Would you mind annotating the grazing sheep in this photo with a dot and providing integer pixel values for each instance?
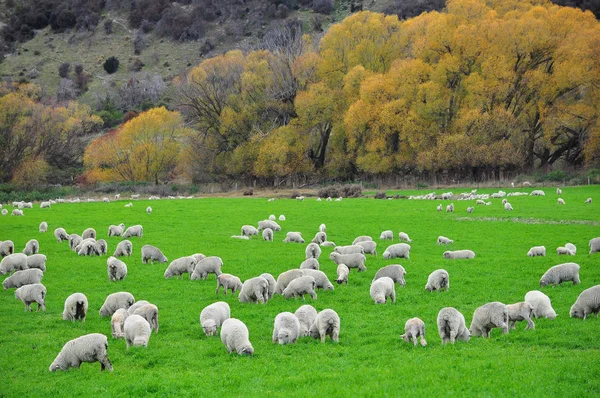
(327, 243)
(37, 261)
(272, 217)
(395, 272)
(208, 265)
(4, 212)
(381, 289)
(489, 316)
(480, 202)
(116, 230)
(117, 269)
(134, 230)
(507, 206)
(354, 260)
(561, 201)
(74, 241)
(442, 240)
(571, 247)
(520, 312)
(152, 254)
(561, 273)
(537, 192)
(459, 254)
(310, 263)
(594, 245)
(438, 280)
(117, 323)
(414, 328)
(327, 323)
(313, 251)
(267, 234)
(450, 208)
(264, 224)
(22, 278)
(281, 217)
(228, 281)
(542, 307)
(60, 234)
(89, 233)
(563, 250)
(342, 274)
(300, 287)
(272, 283)
(322, 282)
(87, 248)
(451, 325)
(34, 293)
(150, 313)
(235, 336)
(213, 316)
(180, 266)
(17, 212)
(124, 248)
(135, 196)
(76, 306)
(149, 210)
(588, 201)
(249, 230)
(240, 237)
(136, 305)
(470, 209)
(31, 247)
(536, 251)
(115, 301)
(320, 237)
(351, 249)
(101, 247)
(285, 278)
(361, 238)
(13, 262)
(7, 248)
(254, 290)
(43, 227)
(404, 236)
(398, 250)
(558, 191)
(387, 235)
(87, 348)
(129, 204)
(306, 315)
(588, 302)
(369, 247)
(286, 329)
(137, 331)
(293, 237)
(439, 207)
(45, 205)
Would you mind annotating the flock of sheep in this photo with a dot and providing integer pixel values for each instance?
(136, 320)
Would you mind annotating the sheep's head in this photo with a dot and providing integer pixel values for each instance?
(210, 327)
(247, 350)
(576, 312)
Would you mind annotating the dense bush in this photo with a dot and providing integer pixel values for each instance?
(111, 65)
(345, 191)
(381, 195)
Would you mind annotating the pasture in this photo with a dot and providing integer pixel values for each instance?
(560, 357)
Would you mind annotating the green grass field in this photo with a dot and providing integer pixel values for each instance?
(559, 357)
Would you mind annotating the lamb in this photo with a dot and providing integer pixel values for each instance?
(89, 233)
(293, 237)
(561, 201)
(37, 261)
(281, 217)
(286, 329)
(254, 290)
(520, 312)
(124, 248)
(470, 209)
(536, 251)
(87, 348)
(327, 243)
(7, 248)
(507, 206)
(285, 278)
(45, 205)
(272, 283)
(354, 260)
(537, 192)
(137, 331)
(101, 247)
(387, 235)
(43, 227)
(381, 289)
(208, 265)
(404, 236)
(414, 328)
(313, 251)
(542, 307)
(115, 301)
(267, 234)
(350, 249)
(117, 269)
(450, 208)
(588, 201)
(361, 238)
(117, 323)
(74, 241)
(395, 272)
(234, 334)
(322, 282)
(320, 237)
(228, 281)
(451, 325)
(149, 210)
(588, 302)
(563, 250)
(300, 287)
(398, 250)
(249, 230)
(31, 247)
(116, 230)
(561, 273)
(369, 247)
(571, 247)
(152, 254)
(180, 266)
(134, 230)
(442, 240)
(17, 212)
(150, 313)
(310, 263)
(439, 207)
(264, 224)
(13, 262)
(60, 234)
(438, 280)
(306, 315)
(34, 293)
(342, 274)
(213, 316)
(489, 316)
(22, 278)
(327, 323)
(594, 245)
(76, 306)
(459, 254)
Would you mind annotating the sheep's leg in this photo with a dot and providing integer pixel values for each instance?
(530, 324)
(414, 339)
(335, 335)
(105, 364)
(323, 335)
(393, 295)
(313, 295)
(452, 336)
(423, 342)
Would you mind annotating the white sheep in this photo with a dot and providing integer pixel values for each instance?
(76, 306)
(354, 260)
(588, 302)
(7, 248)
(438, 280)
(442, 240)
(369, 247)
(561, 273)
(272, 283)
(322, 228)
(564, 251)
(254, 290)
(34, 293)
(198, 257)
(152, 254)
(74, 241)
(60, 234)
(149, 210)
(536, 192)
(45, 205)
(117, 269)
(327, 323)
(320, 237)
(310, 263)
(439, 207)
(322, 282)
(116, 230)
(450, 208)
(87, 247)
(327, 243)
(351, 249)
(235, 336)
(249, 230)
(459, 254)
(43, 227)
(342, 274)
(558, 191)
(115, 301)
(507, 206)
(571, 247)
(134, 230)
(17, 212)
(286, 328)
(117, 323)
(537, 251)
(87, 348)
(414, 328)
(213, 316)
(180, 266)
(150, 313)
(404, 236)
(487, 317)
(281, 217)
(228, 281)
(208, 265)
(361, 238)
(267, 234)
(13, 262)
(136, 305)
(542, 307)
(313, 251)
(89, 233)
(284, 279)
(294, 237)
(395, 272)
(4, 212)
(588, 201)
(124, 248)
(306, 315)
(387, 235)
(480, 202)
(300, 287)
(594, 245)
(37, 261)
(451, 325)
(561, 201)
(101, 247)
(398, 250)
(22, 278)
(381, 289)
(470, 209)
(137, 331)
(242, 237)
(272, 217)
(520, 312)
(135, 196)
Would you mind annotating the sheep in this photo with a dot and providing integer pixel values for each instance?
(507, 206)
(381, 289)
(152, 254)
(89, 233)
(542, 307)
(45, 205)
(354, 260)
(87, 248)
(459, 254)
(213, 316)
(60, 234)
(322, 282)
(450, 208)
(235, 336)
(115, 301)
(561, 201)
(87, 348)
(451, 325)
(320, 237)
(264, 224)
(404, 236)
(588, 302)
(228, 281)
(17, 212)
(116, 230)
(198, 257)
(561, 273)
(342, 274)
(4, 212)
(571, 247)
(293, 237)
(117, 323)
(442, 240)
(137, 331)
(286, 329)
(480, 202)
(310, 263)
(558, 191)
(22, 278)
(117, 269)
(117, 196)
(327, 243)
(361, 238)
(322, 228)
(249, 230)
(106, 200)
(300, 287)
(327, 323)
(350, 249)
(34, 293)
(470, 209)
(7, 248)
(395, 272)
(74, 241)
(439, 207)
(180, 266)
(136, 305)
(272, 217)
(150, 313)
(438, 280)
(13, 262)
(76, 306)
(588, 201)
(563, 250)
(254, 290)
(489, 316)
(281, 217)
(208, 265)
(31, 247)
(267, 234)
(306, 316)
(536, 251)
(272, 283)
(43, 227)
(134, 230)
(129, 205)
(414, 328)
(101, 247)
(387, 235)
(37, 261)
(135, 196)
(124, 248)
(537, 192)
(313, 251)
(520, 312)
(149, 210)
(240, 237)
(398, 250)
(594, 245)
(369, 247)
(285, 278)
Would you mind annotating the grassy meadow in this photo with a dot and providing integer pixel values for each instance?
(560, 357)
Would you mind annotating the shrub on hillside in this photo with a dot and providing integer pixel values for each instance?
(111, 65)
(380, 195)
